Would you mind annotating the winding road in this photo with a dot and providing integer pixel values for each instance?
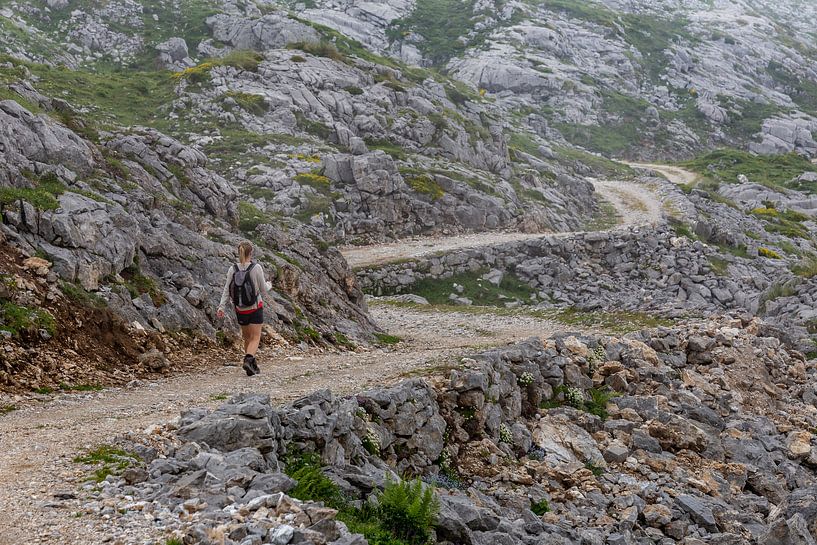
(39, 441)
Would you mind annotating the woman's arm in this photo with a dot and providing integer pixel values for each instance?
(261, 282)
(225, 294)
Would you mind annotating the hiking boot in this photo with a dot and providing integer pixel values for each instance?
(255, 367)
(249, 365)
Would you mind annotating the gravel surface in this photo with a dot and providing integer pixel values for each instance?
(675, 175)
(636, 204)
(41, 495)
(38, 443)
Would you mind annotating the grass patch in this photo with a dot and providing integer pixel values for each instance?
(777, 291)
(807, 267)
(112, 461)
(79, 387)
(441, 23)
(615, 321)
(19, 320)
(109, 98)
(605, 218)
(386, 339)
(600, 165)
(718, 265)
(384, 145)
(426, 185)
(254, 104)
(776, 171)
(474, 287)
(321, 49)
(250, 217)
(241, 59)
(79, 295)
(42, 196)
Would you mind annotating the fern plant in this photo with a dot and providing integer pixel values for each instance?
(409, 509)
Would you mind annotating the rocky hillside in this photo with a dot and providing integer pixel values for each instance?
(699, 434)
(638, 79)
(141, 140)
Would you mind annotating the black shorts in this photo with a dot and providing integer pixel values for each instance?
(254, 317)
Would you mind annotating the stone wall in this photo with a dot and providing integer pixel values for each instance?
(709, 440)
(639, 268)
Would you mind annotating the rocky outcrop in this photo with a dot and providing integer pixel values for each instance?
(268, 32)
(708, 438)
(155, 233)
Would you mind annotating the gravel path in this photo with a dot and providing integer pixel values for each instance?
(676, 175)
(39, 441)
(634, 202)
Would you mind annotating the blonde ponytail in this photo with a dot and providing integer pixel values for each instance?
(245, 251)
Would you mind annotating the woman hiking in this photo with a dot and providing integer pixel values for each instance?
(244, 287)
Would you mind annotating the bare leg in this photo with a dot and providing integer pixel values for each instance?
(253, 339)
(246, 335)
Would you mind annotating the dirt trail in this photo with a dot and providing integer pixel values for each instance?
(635, 204)
(676, 175)
(38, 442)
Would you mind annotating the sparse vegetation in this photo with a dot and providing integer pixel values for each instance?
(403, 513)
(79, 295)
(42, 196)
(113, 460)
(775, 171)
(426, 185)
(540, 507)
(386, 339)
(20, 320)
(473, 287)
(250, 217)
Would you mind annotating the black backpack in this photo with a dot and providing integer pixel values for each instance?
(242, 290)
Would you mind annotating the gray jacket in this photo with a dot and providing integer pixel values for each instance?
(258, 280)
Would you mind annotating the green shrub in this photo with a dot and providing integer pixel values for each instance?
(409, 509)
(137, 283)
(406, 518)
(297, 58)
(766, 252)
(243, 59)
(597, 400)
(312, 483)
(426, 185)
(353, 90)
(540, 507)
(596, 470)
